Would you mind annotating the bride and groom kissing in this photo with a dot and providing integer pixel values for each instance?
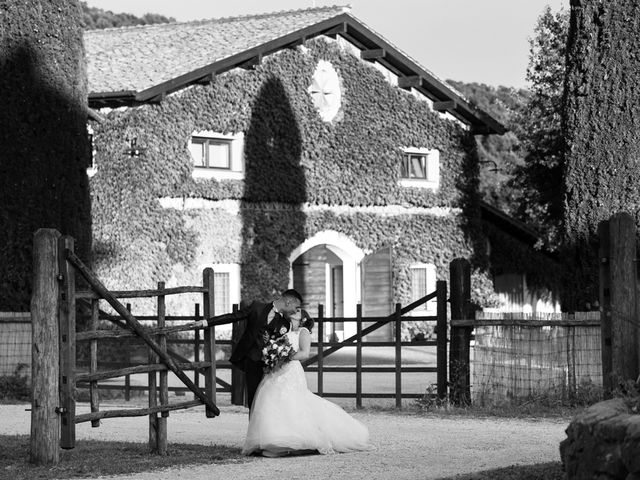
(285, 417)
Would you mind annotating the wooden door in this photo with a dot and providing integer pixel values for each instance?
(377, 294)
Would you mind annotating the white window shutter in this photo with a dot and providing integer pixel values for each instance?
(433, 168)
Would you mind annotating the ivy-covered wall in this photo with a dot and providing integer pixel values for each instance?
(298, 170)
(44, 148)
(602, 131)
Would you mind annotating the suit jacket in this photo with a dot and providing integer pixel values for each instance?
(251, 342)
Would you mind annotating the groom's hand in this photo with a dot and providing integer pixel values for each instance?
(199, 324)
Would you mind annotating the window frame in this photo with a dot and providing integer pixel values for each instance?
(235, 171)
(92, 169)
(233, 272)
(431, 158)
(206, 142)
(430, 286)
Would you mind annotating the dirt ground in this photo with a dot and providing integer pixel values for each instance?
(408, 446)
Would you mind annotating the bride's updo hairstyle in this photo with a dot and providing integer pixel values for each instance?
(306, 321)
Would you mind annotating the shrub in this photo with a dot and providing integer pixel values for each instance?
(17, 385)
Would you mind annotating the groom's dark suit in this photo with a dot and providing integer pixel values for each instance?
(247, 355)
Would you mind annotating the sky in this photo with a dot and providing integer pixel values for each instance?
(483, 41)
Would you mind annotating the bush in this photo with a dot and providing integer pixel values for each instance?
(17, 385)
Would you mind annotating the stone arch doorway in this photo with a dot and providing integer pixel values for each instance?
(325, 270)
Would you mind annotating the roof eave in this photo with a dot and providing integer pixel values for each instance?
(443, 96)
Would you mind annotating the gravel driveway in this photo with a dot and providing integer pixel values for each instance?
(408, 446)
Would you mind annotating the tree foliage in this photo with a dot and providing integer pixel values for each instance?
(500, 155)
(97, 18)
(44, 149)
(523, 169)
(601, 123)
(539, 179)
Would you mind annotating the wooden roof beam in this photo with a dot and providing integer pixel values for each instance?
(482, 130)
(206, 80)
(296, 43)
(373, 54)
(410, 81)
(445, 106)
(339, 29)
(252, 63)
(158, 98)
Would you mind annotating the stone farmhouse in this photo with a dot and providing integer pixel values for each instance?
(291, 149)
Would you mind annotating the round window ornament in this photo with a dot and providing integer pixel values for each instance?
(325, 90)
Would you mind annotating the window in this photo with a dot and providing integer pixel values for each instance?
(92, 169)
(211, 152)
(226, 287)
(420, 167)
(423, 282)
(325, 90)
(221, 293)
(217, 155)
(414, 165)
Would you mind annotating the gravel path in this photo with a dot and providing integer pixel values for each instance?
(408, 446)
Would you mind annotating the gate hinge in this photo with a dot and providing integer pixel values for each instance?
(61, 410)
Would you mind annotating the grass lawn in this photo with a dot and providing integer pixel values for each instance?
(93, 458)
(540, 471)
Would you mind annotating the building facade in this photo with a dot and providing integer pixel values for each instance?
(297, 149)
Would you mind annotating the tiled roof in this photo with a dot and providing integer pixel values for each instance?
(138, 58)
(134, 65)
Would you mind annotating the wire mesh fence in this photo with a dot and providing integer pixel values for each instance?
(15, 344)
(521, 356)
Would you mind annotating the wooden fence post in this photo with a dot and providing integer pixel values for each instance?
(605, 304)
(94, 392)
(320, 348)
(164, 381)
(196, 349)
(441, 337)
(67, 322)
(153, 399)
(127, 359)
(624, 329)
(238, 387)
(459, 359)
(398, 355)
(359, 356)
(45, 364)
(209, 339)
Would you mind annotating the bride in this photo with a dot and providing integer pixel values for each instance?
(286, 417)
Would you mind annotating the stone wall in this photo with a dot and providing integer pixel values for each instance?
(603, 443)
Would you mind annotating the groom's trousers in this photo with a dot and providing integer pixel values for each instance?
(253, 374)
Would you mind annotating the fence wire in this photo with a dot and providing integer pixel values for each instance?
(516, 362)
(15, 344)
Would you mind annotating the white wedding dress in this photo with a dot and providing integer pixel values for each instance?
(287, 417)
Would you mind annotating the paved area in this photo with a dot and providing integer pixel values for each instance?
(408, 446)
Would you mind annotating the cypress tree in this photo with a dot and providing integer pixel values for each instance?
(601, 128)
(44, 146)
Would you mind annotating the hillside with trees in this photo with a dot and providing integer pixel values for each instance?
(97, 18)
(501, 156)
(522, 170)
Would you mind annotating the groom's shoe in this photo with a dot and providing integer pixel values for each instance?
(270, 454)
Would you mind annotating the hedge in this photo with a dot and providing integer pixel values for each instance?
(44, 147)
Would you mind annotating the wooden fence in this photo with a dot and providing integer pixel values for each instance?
(517, 356)
(54, 374)
(315, 364)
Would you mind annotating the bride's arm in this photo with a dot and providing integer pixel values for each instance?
(304, 341)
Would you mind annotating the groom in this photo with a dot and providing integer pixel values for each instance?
(271, 318)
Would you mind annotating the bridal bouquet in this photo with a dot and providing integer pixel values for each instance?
(276, 353)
